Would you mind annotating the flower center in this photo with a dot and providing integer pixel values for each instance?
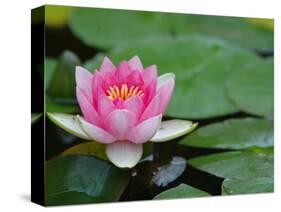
(123, 92)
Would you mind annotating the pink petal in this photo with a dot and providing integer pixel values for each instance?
(149, 73)
(84, 81)
(149, 91)
(144, 131)
(110, 80)
(135, 63)
(119, 122)
(165, 91)
(135, 105)
(107, 66)
(87, 108)
(95, 132)
(152, 109)
(123, 71)
(104, 106)
(134, 79)
(124, 154)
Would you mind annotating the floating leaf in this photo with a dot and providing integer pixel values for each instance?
(251, 88)
(249, 186)
(62, 84)
(170, 172)
(181, 191)
(91, 148)
(172, 129)
(83, 179)
(235, 165)
(233, 29)
(233, 134)
(200, 75)
(105, 28)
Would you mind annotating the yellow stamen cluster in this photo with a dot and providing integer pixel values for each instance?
(123, 92)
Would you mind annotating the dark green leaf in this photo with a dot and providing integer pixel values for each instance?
(200, 65)
(83, 179)
(62, 84)
(233, 134)
(181, 191)
(251, 88)
(91, 148)
(58, 107)
(235, 165)
(50, 65)
(249, 186)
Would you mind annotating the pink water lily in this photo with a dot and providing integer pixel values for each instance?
(122, 107)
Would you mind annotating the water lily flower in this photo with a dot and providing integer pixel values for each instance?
(123, 107)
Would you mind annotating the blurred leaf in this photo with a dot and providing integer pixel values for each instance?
(233, 29)
(94, 63)
(200, 65)
(62, 84)
(91, 148)
(181, 191)
(232, 134)
(249, 186)
(235, 165)
(269, 151)
(57, 16)
(105, 28)
(251, 88)
(83, 179)
(169, 172)
(56, 107)
(50, 65)
(264, 23)
(35, 117)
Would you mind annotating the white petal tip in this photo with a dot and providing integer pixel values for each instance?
(69, 123)
(172, 129)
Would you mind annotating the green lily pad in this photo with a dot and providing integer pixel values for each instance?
(241, 31)
(181, 191)
(83, 179)
(200, 65)
(233, 134)
(91, 148)
(249, 186)
(235, 165)
(251, 88)
(105, 28)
